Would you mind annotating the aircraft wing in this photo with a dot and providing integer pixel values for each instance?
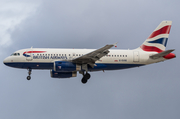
(164, 53)
(93, 56)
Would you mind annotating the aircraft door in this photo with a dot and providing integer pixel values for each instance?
(29, 55)
(136, 56)
(73, 55)
(70, 56)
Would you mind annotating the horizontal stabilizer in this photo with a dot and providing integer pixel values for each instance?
(164, 53)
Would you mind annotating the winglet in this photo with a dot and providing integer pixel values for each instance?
(115, 44)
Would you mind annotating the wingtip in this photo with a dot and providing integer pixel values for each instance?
(172, 50)
(115, 44)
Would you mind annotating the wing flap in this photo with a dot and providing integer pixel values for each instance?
(93, 56)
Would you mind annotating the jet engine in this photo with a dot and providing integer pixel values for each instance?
(55, 74)
(65, 66)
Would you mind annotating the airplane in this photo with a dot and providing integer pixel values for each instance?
(65, 63)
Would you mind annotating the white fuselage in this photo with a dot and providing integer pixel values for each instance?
(41, 58)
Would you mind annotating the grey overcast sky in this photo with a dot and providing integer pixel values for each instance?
(148, 92)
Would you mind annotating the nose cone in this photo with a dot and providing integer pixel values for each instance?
(6, 61)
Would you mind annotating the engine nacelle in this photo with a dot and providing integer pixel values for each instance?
(55, 74)
(65, 66)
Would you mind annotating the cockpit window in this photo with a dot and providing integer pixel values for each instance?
(15, 54)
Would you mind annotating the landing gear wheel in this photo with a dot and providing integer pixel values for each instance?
(84, 80)
(87, 76)
(28, 77)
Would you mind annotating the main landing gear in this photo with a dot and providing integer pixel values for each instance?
(85, 77)
(29, 72)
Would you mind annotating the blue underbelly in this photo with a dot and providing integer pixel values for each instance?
(97, 67)
(31, 65)
(113, 66)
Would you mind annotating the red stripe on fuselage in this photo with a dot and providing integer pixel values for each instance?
(34, 52)
(163, 30)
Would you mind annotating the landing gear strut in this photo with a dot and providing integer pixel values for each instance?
(29, 72)
(85, 77)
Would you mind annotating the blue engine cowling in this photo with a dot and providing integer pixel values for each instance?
(65, 66)
(55, 74)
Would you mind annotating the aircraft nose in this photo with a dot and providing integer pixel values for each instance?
(6, 61)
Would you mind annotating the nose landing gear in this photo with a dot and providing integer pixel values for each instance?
(29, 72)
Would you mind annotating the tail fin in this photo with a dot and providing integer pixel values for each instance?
(157, 41)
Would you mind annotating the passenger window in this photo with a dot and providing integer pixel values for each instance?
(76, 54)
(117, 55)
(114, 55)
(69, 55)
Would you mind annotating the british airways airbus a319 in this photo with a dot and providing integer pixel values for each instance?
(65, 63)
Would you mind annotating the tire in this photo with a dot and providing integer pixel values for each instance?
(84, 80)
(28, 77)
(87, 76)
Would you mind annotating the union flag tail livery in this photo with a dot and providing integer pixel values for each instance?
(157, 41)
(65, 63)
